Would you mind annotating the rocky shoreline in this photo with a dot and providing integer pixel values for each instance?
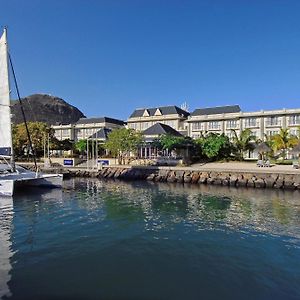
(224, 178)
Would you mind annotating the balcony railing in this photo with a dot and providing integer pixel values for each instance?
(214, 127)
(294, 122)
(251, 124)
(232, 126)
(273, 123)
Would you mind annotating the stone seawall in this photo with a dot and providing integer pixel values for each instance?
(225, 178)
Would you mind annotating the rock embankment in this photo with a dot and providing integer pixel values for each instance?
(226, 178)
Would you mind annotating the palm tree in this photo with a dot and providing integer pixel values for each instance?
(243, 142)
(283, 141)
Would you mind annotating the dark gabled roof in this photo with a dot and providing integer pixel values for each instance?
(216, 110)
(101, 134)
(99, 120)
(159, 129)
(165, 110)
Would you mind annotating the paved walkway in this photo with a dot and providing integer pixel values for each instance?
(216, 166)
(226, 167)
(245, 167)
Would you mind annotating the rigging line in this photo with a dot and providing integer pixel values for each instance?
(30, 107)
(23, 113)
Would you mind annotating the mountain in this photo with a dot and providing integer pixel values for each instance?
(45, 108)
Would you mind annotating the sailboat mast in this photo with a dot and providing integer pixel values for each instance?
(23, 113)
(6, 145)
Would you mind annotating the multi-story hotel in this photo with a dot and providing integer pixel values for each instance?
(220, 119)
(85, 128)
(225, 118)
(173, 116)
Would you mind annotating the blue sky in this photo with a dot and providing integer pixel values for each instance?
(110, 57)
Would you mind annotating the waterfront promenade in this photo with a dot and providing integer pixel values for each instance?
(233, 166)
(245, 166)
(234, 174)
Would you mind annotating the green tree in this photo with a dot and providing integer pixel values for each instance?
(283, 141)
(214, 146)
(243, 142)
(38, 131)
(171, 142)
(64, 145)
(81, 146)
(121, 142)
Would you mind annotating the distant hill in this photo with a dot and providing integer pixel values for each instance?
(45, 108)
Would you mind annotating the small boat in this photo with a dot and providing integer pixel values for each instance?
(12, 176)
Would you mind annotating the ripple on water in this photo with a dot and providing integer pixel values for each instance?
(152, 241)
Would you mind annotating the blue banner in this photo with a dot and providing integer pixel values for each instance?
(104, 162)
(68, 162)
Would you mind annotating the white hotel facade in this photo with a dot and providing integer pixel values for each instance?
(220, 119)
(84, 128)
(224, 119)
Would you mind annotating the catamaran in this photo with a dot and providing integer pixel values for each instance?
(12, 176)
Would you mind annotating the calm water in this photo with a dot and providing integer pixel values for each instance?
(116, 240)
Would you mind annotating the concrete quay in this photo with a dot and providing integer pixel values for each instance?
(233, 174)
(214, 175)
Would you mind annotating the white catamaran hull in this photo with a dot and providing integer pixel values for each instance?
(6, 187)
(15, 181)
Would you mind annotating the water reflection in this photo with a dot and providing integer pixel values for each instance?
(274, 212)
(93, 230)
(6, 215)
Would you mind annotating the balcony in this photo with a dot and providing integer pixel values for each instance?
(214, 127)
(294, 122)
(251, 124)
(198, 128)
(232, 126)
(273, 123)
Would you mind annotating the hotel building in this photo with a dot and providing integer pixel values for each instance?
(86, 128)
(225, 118)
(154, 121)
(173, 116)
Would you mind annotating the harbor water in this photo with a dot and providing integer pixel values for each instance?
(137, 240)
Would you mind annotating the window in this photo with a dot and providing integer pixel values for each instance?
(79, 132)
(273, 121)
(231, 124)
(294, 132)
(65, 132)
(214, 125)
(132, 125)
(197, 126)
(170, 123)
(89, 131)
(272, 132)
(195, 136)
(252, 154)
(250, 122)
(144, 125)
(295, 120)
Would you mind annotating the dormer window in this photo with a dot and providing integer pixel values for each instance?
(146, 113)
(157, 112)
